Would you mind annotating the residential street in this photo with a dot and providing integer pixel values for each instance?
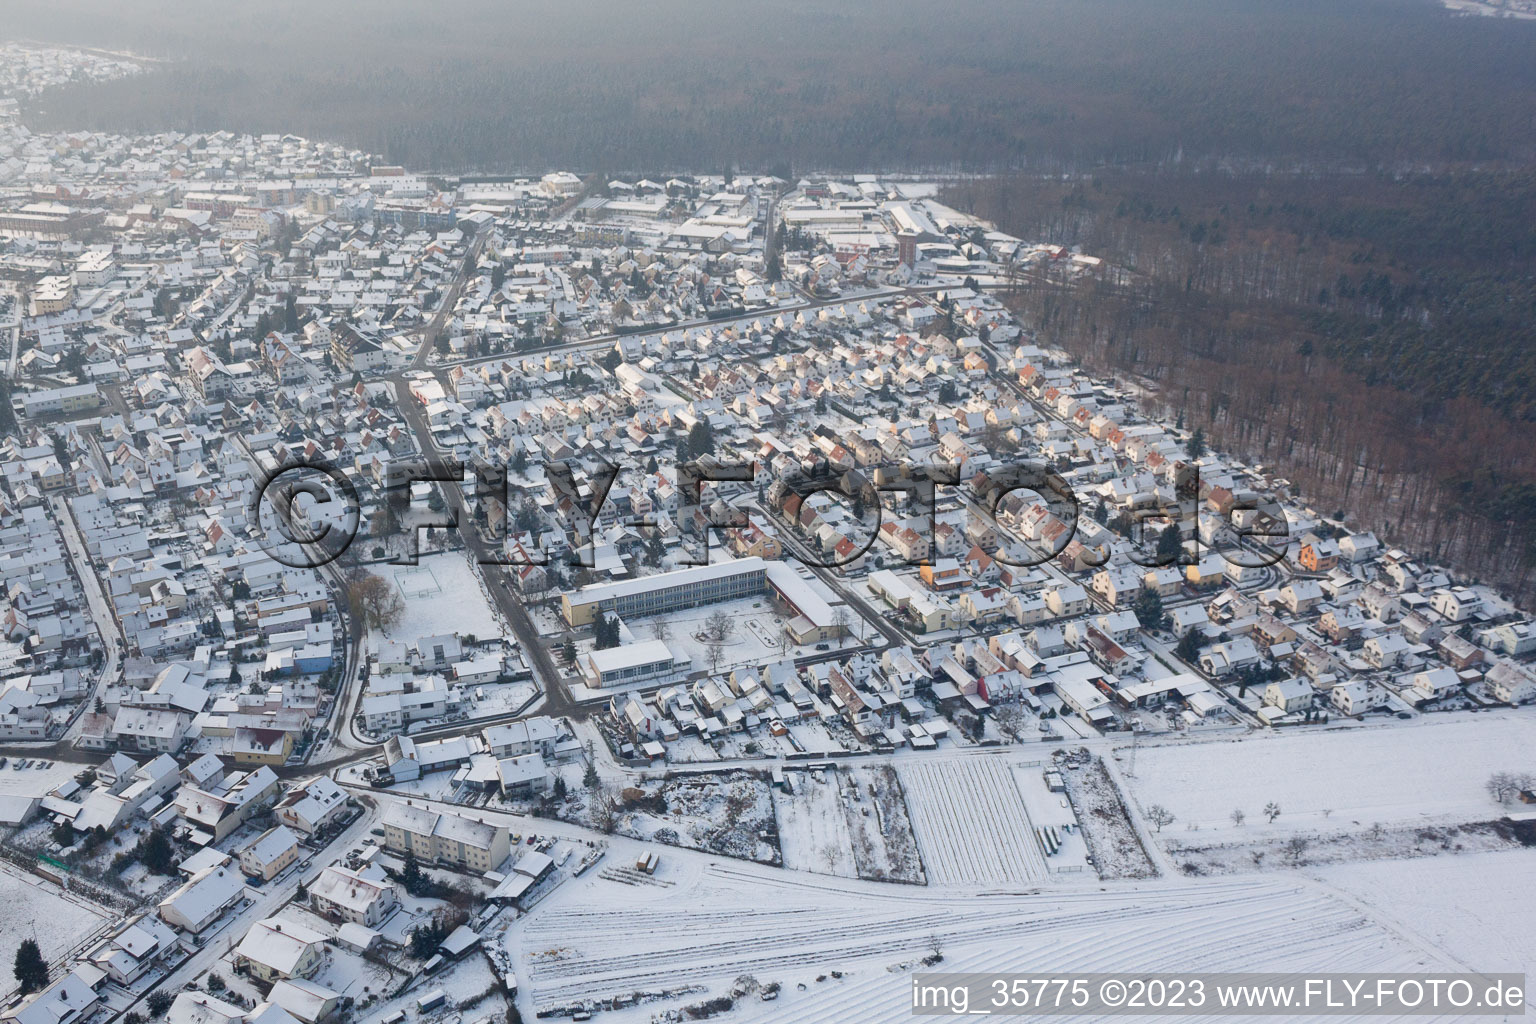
(101, 612)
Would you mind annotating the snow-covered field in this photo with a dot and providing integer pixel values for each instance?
(444, 598)
(33, 909)
(971, 822)
(1433, 770)
(1477, 907)
(597, 939)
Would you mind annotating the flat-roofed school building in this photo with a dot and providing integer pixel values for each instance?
(666, 592)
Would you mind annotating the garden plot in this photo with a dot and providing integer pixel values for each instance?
(473, 989)
(1112, 839)
(813, 823)
(1432, 771)
(971, 822)
(884, 848)
(850, 822)
(726, 813)
(601, 940)
(32, 909)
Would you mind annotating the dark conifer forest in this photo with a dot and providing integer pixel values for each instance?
(975, 85)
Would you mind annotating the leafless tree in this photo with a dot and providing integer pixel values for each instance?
(604, 804)
(1238, 817)
(840, 621)
(719, 627)
(1296, 849)
(661, 629)
(1502, 786)
(935, 947)
(373, 599)
(1009, 719)
(1159, 815)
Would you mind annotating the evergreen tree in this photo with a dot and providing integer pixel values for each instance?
(701, 439)
(410, 873)
(1148, 608)
(1170, 545)
(7, 414)
(605, 630)
(155, 851)
(30, 967)
(1195, 446)
(590, 778)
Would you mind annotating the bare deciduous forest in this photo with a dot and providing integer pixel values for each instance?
(1373, 337)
